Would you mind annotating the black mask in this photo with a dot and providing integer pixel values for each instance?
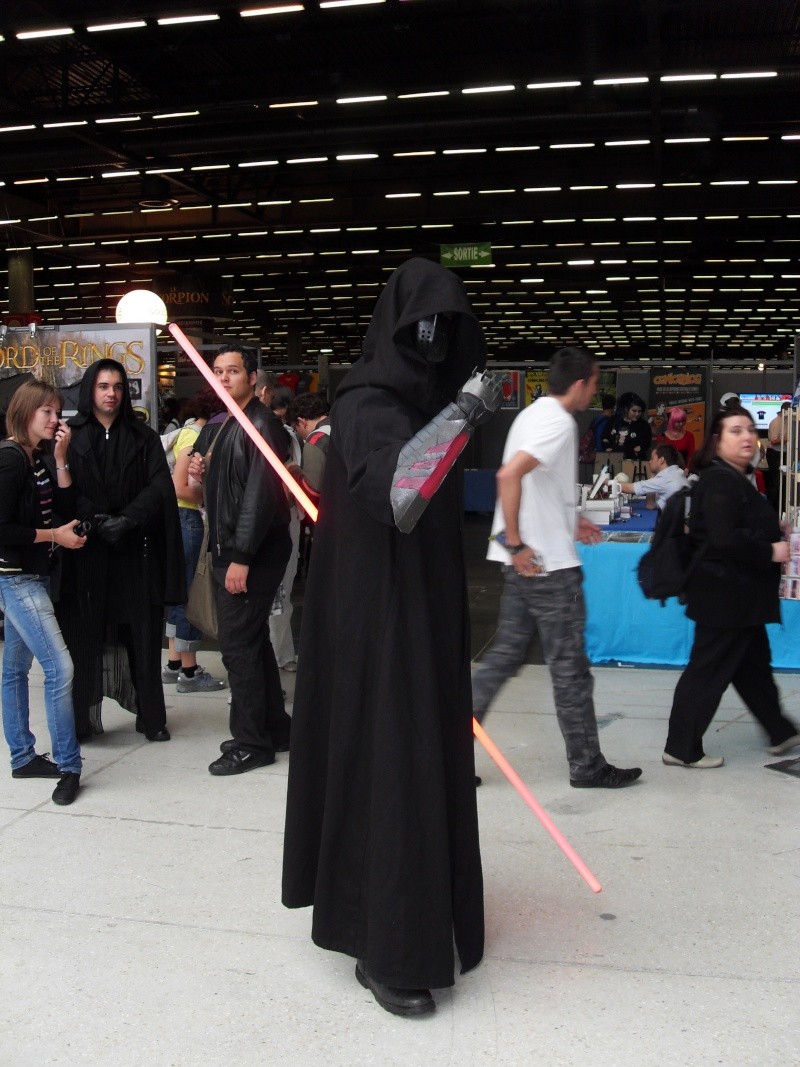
(433, 337)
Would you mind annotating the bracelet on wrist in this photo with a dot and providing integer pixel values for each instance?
(515, 549)
(64, 468)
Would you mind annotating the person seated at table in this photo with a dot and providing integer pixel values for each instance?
(676, 434)
(628, 432)
(665, 466)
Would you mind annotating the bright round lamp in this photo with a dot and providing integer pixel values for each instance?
(140, 305)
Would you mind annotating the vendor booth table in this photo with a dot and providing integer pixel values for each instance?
(623, 627)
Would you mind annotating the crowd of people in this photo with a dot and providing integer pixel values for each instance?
(381, 834)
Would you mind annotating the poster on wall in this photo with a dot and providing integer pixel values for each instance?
(62, 355)
(606, 383)
(683, 387)
(535, 385)
(509, 382)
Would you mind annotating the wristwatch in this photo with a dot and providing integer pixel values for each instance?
(514, 549)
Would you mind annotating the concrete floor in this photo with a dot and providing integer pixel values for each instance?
(142, 925)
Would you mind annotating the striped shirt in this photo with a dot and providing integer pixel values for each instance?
(44, 488)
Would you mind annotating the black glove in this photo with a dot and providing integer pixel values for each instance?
(479, 398)
(112, 528)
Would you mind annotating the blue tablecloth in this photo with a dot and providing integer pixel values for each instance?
(479, 489)
(622, 626)
(641, 521)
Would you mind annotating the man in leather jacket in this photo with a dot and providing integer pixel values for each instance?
(248, 518)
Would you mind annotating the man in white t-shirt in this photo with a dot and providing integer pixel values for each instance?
(535, 528)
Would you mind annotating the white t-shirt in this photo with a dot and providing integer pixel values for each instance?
(548, 506)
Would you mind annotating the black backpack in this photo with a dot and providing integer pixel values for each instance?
(665, 569)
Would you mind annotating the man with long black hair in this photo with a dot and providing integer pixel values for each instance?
(113, 593)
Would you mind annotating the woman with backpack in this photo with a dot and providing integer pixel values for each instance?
(732, 593)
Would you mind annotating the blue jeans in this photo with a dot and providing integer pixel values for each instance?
(187, 637)
(554, 606)
(32, 630)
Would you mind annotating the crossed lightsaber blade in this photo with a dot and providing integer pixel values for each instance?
(311, 510)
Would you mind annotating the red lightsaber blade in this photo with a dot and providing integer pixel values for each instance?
(296, 490)
(535, 807)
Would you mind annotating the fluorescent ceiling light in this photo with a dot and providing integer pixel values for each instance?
(686, 140)
(402, 155)
(119, 118)
(489, 89)
(378, 98)
(623, 144)
(119, 174)
(552, 85)
(347, 158)
(309, 159)
(102, 27)
(576, 144)
(637, 185)
(621, 81)
(422, 96)
(259, 163)
(32, 35)
(751, 74)
(31, 181)
(688, 77)
(212, 166)
(180, 20)
(276, 9)
(745, 138)
(519, 148)
(543, 189)
(348, 3)
(295, 103)
(401, 196)
(463, 151)
(166, 170)
(63, 125)
(15, 129)
(177, 115)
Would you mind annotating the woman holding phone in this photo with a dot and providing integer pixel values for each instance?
(33, 486)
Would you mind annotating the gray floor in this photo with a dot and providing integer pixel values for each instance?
(142, 924)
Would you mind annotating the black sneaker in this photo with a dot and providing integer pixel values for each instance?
(67, 788)
(608, 778)
(238, 761)
(38, 767)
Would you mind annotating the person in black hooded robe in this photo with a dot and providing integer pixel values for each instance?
(381, 824)
(111, 602)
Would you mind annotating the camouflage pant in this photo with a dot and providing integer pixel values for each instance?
(554, 605)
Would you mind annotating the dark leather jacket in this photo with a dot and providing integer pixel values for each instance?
(244, 496)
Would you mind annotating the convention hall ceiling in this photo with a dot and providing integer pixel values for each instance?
(634, 166)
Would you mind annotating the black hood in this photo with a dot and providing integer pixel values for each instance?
(85, 407)
(419, 289)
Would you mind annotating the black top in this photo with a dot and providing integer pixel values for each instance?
(21, 511)
(735, 584)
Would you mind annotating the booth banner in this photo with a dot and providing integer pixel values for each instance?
(535, 385)
(62, 355)
(678, 387)
(509, 382)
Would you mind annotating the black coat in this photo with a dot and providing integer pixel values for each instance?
(381, 825)
(735, 583)
(125, 583)
(244, 495)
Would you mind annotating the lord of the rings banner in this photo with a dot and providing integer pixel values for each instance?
(62, 355)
